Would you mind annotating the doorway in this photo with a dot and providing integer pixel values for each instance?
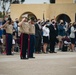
(63, 17)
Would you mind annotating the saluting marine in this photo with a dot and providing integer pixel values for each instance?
(9, 31)
(24, 29)
(31, 38)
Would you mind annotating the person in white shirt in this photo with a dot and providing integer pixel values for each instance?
(45, 38)
(73, 36)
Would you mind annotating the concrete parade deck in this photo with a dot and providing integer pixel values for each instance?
(61, 63)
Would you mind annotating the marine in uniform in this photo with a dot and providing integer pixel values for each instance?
(24, 29)
(31, 38)
(8, 26)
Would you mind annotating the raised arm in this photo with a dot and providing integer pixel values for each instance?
(4, 25)
(20, 23)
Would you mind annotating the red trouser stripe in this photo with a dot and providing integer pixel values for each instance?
(6, 43)
(21, 43)
(28, 45)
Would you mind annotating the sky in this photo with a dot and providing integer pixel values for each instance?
(36, 1)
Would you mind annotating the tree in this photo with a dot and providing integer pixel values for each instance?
(1, 15)
(22, 1)
(10, 2)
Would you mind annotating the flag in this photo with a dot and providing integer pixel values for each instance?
(43, 17)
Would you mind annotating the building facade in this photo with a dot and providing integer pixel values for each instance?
(59, 9)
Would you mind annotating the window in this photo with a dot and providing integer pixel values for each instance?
(52, 1)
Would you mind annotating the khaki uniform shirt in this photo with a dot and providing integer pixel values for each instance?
(32, 29)
(9, 29)
(24, 28)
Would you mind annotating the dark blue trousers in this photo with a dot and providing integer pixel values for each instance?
(23, 45)
(8, 43)
(32, 46)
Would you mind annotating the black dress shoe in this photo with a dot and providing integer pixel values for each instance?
(31, 57)
(27, 58)
(54, 52)
(9, 54)
(12, 54)
(23, 58)
(50, 52)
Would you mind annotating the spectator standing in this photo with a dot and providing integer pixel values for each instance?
(61, 33)
(73, 36)
(1, 31)
(16, 27)
(38, 36)
(45, 37)
(52, 29)
(4, 33)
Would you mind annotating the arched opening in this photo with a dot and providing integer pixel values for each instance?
(63, 17)
(30, 14)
